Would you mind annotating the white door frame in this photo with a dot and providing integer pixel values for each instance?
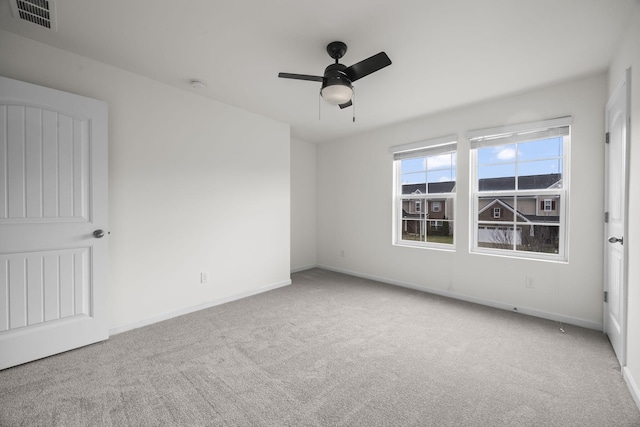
(623, 89)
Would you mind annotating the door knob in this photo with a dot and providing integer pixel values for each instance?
(615, 240)
(98, 234)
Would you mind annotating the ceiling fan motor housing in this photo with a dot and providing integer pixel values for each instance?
(334, 75)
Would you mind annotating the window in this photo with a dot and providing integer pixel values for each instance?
(519, 189)
(425, 177)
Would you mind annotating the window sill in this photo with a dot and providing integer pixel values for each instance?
(520, 256)
(432, 246)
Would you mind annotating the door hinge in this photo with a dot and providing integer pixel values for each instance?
(606, 296)
(606, 217)
(606, 138)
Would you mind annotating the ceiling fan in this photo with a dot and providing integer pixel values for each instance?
(337, 88)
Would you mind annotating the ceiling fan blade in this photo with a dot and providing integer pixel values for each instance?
(367, 66)
(301, 77)
(346, 104)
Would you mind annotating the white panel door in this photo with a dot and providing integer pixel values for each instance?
(53, 197)
(616, 167)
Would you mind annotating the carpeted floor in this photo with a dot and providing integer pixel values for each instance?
(330, 350)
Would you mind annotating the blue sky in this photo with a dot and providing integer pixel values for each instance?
(531, 158)
(528, 158)
(440, 168)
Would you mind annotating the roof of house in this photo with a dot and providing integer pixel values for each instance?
(530, 182)
(434, 188)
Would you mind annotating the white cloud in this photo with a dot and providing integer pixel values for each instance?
(440, 161)
(506, 154)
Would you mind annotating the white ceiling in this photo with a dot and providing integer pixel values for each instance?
(445, 53)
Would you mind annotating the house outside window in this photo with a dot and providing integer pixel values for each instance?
(519, 189)
(425, 175)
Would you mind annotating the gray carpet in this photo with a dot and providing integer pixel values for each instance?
(330, 350)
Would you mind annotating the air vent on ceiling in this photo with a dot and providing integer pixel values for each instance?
(39, 12)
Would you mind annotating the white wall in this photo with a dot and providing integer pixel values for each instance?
(194, 185)
(303, 205)
(627, 56)
(355, 208)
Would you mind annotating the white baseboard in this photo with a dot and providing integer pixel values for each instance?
(632, 384)
(522, 310)
(186, 310)
(299, 269)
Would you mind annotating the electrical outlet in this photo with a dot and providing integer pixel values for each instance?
(204, 277)
(529, 282)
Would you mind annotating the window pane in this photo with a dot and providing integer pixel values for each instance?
(543, 149)
(441, 173)
(497, 177)
(540, 238)
(413, 178)
(440, 231)
(443, 161)
(413, 208)
(443, 181)
(412, 165)
(498, 154)
(540, 181)
(532, 209)
(487, 207)
(539, 174)
(413, 230)
(497, 236)
(414, 188)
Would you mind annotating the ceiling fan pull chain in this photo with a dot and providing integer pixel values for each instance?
(354, 103)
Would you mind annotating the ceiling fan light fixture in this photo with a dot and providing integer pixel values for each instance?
(337, 94)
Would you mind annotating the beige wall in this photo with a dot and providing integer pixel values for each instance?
(628, 56)
(185, 176)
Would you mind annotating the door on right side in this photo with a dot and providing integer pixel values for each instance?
(615, 254)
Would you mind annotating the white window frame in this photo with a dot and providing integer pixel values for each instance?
(431, 147)
(497, 212)
(436, 206)
(521, 133)
(547, 205)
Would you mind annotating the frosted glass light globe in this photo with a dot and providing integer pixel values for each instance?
(336, 94)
